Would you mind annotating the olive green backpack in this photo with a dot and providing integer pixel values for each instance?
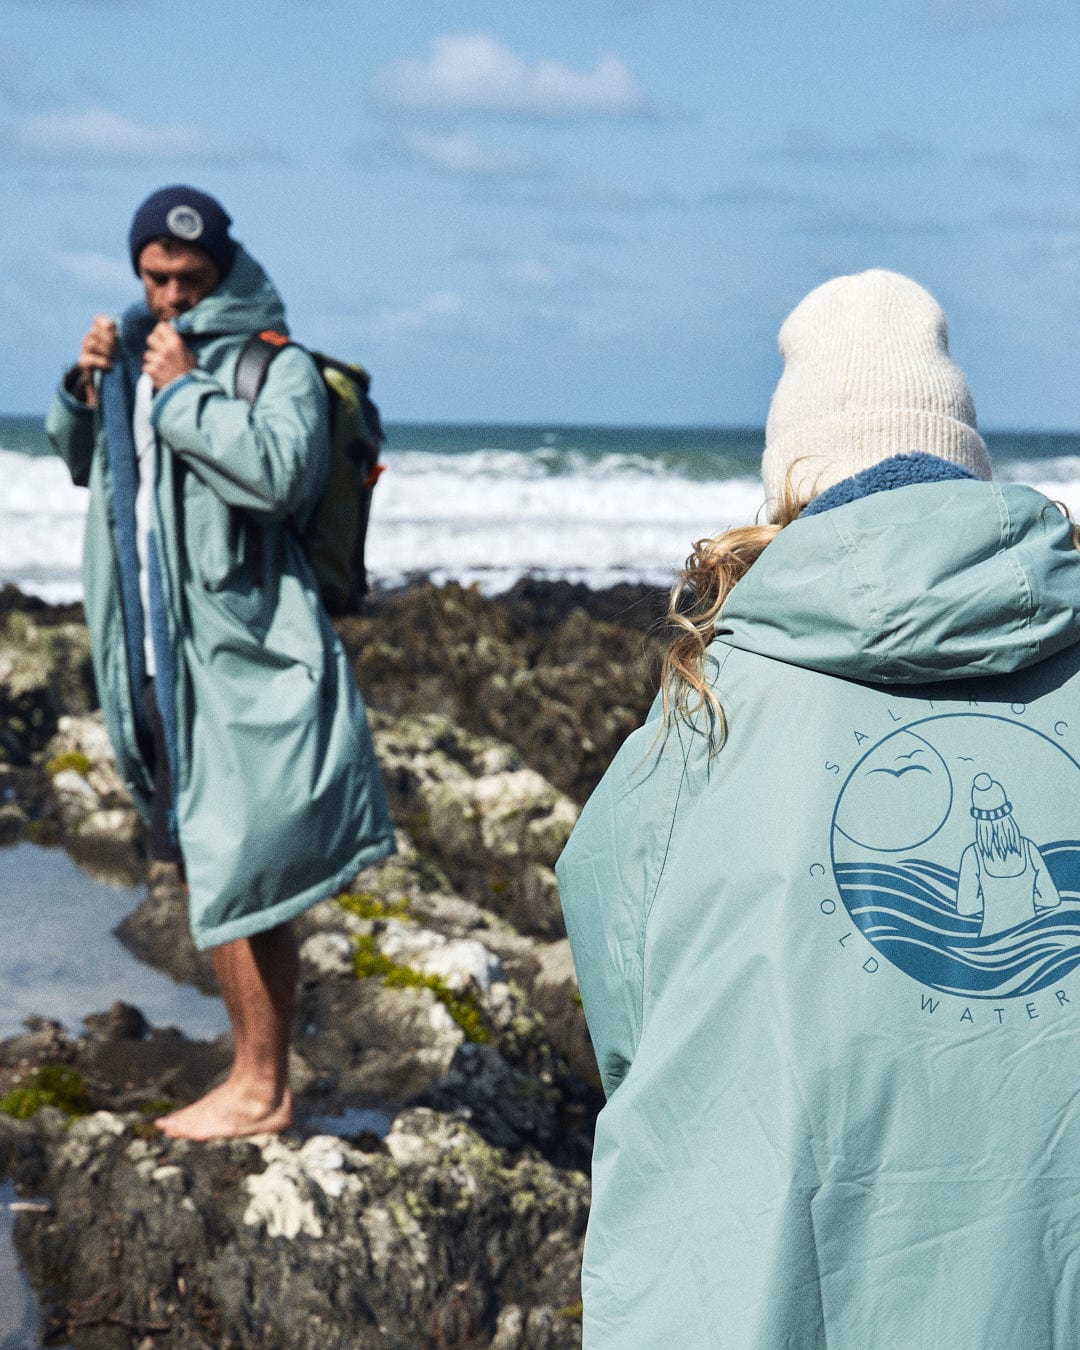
(337, 534)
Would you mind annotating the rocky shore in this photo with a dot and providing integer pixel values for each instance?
(434, 1190)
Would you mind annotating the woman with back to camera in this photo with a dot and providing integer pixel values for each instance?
(840, 1113)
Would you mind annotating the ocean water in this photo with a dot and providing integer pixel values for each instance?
(18, 1308)
(59, 959)
(489, 504)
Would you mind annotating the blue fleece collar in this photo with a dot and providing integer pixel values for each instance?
(897, 471)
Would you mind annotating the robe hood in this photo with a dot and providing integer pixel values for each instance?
(246, 301)
(931, 582)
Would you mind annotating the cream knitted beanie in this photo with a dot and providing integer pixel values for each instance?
(867, 375)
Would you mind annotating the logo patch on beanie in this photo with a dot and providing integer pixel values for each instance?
(184, 222)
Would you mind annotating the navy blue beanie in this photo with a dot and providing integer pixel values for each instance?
(188, 216)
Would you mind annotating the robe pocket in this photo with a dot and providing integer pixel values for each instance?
(226, 558)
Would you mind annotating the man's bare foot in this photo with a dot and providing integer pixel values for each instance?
(227, 1112)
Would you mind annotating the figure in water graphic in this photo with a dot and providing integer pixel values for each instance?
(1002, 874)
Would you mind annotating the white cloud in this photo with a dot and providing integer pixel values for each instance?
(464, 155)
(476, 73)
(433, 310)
(97, 133)
(95, 272)
(531, 273)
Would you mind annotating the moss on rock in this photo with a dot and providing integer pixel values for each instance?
(75, 760)
(367, 905)
(56, 1085)
(463, 1008)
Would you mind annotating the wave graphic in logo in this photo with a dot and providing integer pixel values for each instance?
(908, 912)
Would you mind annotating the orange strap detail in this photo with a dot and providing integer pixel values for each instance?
(373, 476)
(274, 338)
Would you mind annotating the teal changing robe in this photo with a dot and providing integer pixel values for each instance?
(841, 1110)
(279, 801)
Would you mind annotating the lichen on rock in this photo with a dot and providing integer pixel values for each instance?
(305, 1243)
(495, 826)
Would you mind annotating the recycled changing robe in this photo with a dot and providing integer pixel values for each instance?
(279, 801)
(838, 1113)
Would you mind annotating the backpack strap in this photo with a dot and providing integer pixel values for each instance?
(254, 361)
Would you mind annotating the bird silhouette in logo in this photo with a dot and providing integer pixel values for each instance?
(908, 768)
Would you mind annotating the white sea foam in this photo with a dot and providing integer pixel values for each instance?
(1058, 479)
(493, 518)
(42, 515)
(488, 516)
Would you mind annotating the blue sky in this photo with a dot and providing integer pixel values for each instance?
(581, 211)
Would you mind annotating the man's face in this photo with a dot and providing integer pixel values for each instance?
(176, 277)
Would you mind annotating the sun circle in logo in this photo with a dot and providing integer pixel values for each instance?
(956, 852)
(184, 222)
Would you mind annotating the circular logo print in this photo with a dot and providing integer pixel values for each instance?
(185, 222)
(956, 851)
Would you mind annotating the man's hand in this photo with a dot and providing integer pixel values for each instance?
(96, 353)
(166, 357)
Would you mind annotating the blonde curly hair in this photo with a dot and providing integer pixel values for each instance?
(711, 572)
(697, 600)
